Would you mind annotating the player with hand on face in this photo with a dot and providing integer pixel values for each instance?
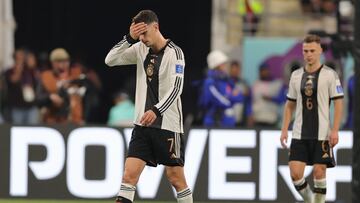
(157, 137)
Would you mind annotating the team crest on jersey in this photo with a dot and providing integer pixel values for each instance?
(309, 86)
(150, 70)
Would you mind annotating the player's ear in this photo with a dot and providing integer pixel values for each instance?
(156, 26)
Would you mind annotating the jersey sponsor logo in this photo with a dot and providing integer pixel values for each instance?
(339, 89)
(179, 68)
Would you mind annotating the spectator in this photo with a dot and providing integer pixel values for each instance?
(61, 91)
(21, 81)
(319, 6)
(350, 113)
(251, 11)
(218, 96)
(242, 110)
(123, 112)
(92, 83)
(265, 111)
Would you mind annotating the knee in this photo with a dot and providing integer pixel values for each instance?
(295, 175)
(319, 172)
(130, 177)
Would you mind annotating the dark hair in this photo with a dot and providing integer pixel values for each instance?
(235, 63)
(146, 16)
(312, 38)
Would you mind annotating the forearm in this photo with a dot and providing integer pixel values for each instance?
(122, 53)
(338, 111)
(288, 111)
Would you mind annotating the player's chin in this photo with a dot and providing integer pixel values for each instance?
(146, 43)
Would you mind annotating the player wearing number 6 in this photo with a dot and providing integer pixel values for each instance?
(311, 89)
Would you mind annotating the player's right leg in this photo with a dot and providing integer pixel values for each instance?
(132, 172)
(139, 154)
(298, 159)
(297, 175)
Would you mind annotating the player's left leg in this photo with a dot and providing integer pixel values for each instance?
(319, 174)
(176, 176)
(323, 159)
(169, 149)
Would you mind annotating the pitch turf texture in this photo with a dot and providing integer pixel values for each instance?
(69, 201)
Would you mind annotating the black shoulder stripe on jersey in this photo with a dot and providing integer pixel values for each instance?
(178, 51)
(338, 97)
(119, 44)
(172, 96)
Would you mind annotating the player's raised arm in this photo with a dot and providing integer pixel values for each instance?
(124, 52)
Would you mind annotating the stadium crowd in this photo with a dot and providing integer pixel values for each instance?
(66, 91)
(61, 89)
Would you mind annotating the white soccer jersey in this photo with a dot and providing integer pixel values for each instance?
(159, 80)
(313, 93)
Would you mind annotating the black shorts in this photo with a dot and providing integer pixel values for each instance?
(312, 152)
(157, 146)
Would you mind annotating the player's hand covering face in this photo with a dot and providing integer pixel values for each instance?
(137, 29)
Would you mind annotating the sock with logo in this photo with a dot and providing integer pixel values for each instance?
(185, 196)
(126, 193)
(304, 190)
(319, 190)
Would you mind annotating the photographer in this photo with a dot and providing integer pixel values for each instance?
(60, 94)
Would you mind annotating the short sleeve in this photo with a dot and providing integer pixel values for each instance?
(335, 89)
(291, 95)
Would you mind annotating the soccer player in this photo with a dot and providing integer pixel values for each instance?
(157, 137)
(311, 89)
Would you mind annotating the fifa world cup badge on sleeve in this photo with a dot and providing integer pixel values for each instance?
(339, 89)
(179, 69)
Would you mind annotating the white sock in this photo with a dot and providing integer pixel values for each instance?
(127, 191)
(304, 190)
(319, 190)
(185, 196)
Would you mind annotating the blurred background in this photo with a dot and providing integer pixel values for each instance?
(52, 73)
